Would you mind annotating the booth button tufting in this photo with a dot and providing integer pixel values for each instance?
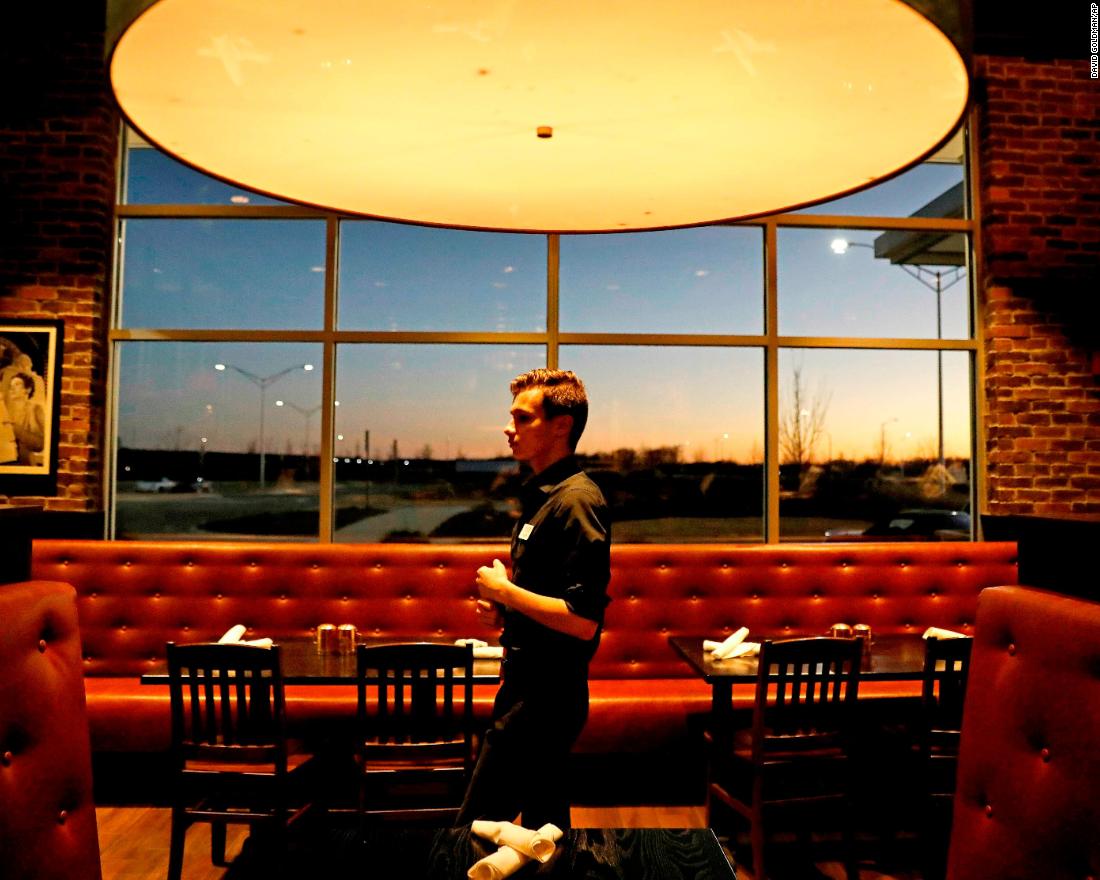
(62, 816)
(5, 759)
(1011, 649)
(989, 811)
(1044, 753)
(41, 646)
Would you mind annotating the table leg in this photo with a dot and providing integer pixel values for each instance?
(721, 703)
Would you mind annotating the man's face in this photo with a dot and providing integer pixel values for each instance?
(531, 435)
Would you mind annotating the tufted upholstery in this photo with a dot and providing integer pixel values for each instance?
(1027, 803)
(47, 818)
(135, 596)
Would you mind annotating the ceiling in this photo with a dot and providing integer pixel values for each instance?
(1052, 30)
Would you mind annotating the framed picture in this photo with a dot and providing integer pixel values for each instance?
(30, 391)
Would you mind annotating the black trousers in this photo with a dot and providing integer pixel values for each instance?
(523, 766)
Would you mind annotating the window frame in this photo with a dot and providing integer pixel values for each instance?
(770, 341)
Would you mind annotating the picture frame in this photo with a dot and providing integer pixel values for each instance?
(30, 404)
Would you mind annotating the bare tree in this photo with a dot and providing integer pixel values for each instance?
(801, 422)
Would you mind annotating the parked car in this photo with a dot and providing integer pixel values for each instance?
(161, 485)
(911, 525)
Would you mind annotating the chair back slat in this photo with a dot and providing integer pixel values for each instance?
(946, 670)
(227, 703)
(805, 688)
(407, 693)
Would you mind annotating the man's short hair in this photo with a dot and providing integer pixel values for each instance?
(563, 394)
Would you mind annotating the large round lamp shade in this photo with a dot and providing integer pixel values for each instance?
(528, 115)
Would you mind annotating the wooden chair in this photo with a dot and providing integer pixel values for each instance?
(415, 729)
(796, 753)
(946, 668)
(232, 759)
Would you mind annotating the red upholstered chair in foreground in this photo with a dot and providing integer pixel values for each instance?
(47, 818)
(1027, 804)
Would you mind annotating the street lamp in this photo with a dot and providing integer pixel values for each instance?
(934, 280)
(308, 413)
(262, 382)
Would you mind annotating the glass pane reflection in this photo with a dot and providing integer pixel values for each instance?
(675, 438)
(844, 282)
(207, 453)
(223, 274)
(420, 451)
(860, 445)
(397, 277)
(705, 280)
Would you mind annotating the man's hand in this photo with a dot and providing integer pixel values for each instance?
(488, 614)
(493, 583)
(495, 588)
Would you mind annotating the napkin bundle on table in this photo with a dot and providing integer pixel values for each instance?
(734, 646)
(482, 650)
(518, 846)
(233, 637)
(934, 632)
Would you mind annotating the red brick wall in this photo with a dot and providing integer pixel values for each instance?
(1039, 166)
(58, 144)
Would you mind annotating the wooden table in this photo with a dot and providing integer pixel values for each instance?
(894, 658)
(303, 664)
(447, 853)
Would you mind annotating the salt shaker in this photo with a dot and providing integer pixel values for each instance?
(345, 638)
(326, 638)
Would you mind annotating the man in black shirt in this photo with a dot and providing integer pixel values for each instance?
(551, 610)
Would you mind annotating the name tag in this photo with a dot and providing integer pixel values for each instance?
(525, 532)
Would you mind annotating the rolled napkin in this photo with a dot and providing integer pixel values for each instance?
(536, 844)
(482, 650)
(723, 650)
(934, 632)
(496, 866)
(232, 636)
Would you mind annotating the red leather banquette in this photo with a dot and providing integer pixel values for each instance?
(135, 596)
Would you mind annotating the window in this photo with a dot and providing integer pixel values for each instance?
(705, 280)
(781, 379)
(420, 452)
(251, 275)
(398, 277)
(208, 446)
(860, 440)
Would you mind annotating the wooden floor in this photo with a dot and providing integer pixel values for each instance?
(134, 842)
